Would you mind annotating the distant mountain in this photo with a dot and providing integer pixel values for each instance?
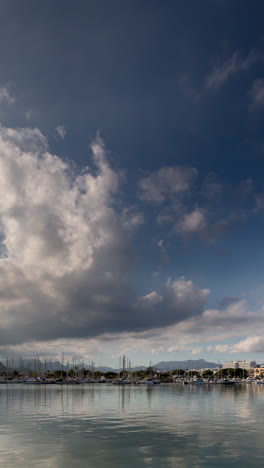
(110, 369)
(138, 368)
(36, 364)
(169, 366)
(104, 369)
(190, 364)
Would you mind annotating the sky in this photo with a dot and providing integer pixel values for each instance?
(132, 180)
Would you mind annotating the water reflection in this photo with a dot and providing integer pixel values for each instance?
(128, 426)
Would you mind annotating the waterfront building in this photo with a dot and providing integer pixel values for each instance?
(239, 365)
(259, 372)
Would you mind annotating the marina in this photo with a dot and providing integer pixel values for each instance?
(127, 381)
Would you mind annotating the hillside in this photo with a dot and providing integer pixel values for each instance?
(189, 364)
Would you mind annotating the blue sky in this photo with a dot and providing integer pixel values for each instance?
(132, 192)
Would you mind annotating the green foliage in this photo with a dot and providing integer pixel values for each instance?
(194, 373)
(178, 372)
(149, 370)
(166, 377)
(141, 374)
(241, 373)
(110, 375)
(231, 373)
(59, 373)
(208, 373)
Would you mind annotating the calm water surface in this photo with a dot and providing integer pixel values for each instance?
(94, 426)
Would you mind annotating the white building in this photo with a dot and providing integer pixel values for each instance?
(239, 365)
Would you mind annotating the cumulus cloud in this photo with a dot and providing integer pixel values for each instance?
(236, 313)
(192, 222)
(61, 130)
(22, 139)
(199, 334)
(132, 218)
(227, 301)
(166, 182)
(151, 299)
(252, 344)
(233, 65)
(67, 250)
(178, 300)
(5, 96)
(213, 325)
(61, 235)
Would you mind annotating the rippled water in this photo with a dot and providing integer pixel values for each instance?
(91, 426)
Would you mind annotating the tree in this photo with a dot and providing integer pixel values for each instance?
(110, 375)
(59, 373)
(149, 370)
(141, 374)
(178, 372)
(194, 373)
(166, 377)
(241, 373)
(229, 372)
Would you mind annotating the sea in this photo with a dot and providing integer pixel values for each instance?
(104, 425)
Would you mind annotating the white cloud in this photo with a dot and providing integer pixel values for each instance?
(252, 344)
(131, 218)
(58, 229)
(257, 94)
(14, 141)
(196, 334)
(41, 207)
(222, 348)
(192, 222)
(182, 289)
(178, 294)
(61, 130)
(158, 350)
(173, 349)
(197, 350)
(166, 182)
(5, 96)
(152, 299)
(233, 65)
(68, 250)
(218, 324)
